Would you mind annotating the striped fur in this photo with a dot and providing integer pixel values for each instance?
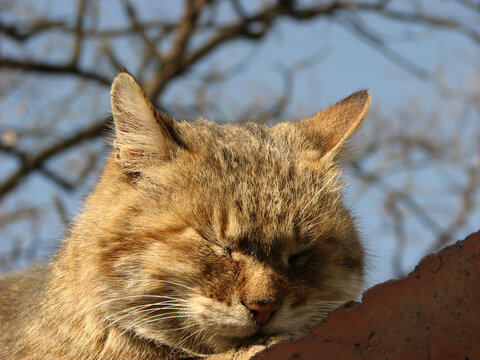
(190, 223)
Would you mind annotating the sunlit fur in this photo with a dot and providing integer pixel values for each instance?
(190, 222)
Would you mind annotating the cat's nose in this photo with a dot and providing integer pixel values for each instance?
(262, 312)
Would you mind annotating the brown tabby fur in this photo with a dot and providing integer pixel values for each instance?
(189, 224)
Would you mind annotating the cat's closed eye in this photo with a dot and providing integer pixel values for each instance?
(298, 257)
(227, 252)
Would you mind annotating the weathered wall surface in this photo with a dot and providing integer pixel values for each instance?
(433, 313)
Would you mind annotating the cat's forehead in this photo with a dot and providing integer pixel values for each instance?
(208, 137)
(247, 186)
(250, 153)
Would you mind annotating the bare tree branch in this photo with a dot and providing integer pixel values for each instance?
(170, 68)
(37, 161)
(45, 68)
(78, 39)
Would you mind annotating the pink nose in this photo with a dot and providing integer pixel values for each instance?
(262, 312)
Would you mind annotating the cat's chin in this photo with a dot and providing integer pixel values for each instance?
(225, 343)
(222, 344)
(218, 343)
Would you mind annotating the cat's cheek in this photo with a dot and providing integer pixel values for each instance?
(157, 261)
(281, 322)
(228, 321)
(292, 321)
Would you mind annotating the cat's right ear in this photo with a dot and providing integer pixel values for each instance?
(141, 133)
(329, 128)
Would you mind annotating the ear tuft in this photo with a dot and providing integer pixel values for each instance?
(139, 132)
(330, 128)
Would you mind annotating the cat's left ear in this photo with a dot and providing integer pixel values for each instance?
(141, 133)
(329, 128)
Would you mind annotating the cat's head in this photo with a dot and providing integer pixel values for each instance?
(220, 235)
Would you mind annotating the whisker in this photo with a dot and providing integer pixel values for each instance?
(210, 338)
(183, 327)
(148, 319)
(132, 311)
(189, 336)
(180, 310)
(173, 283)
(135, 297)
(113, 323)
(144, 308)
(160, 317)
(157, 305)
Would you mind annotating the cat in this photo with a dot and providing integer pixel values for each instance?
(199, 238)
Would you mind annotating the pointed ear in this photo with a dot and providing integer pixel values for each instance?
(140, 131)
(329, 128)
